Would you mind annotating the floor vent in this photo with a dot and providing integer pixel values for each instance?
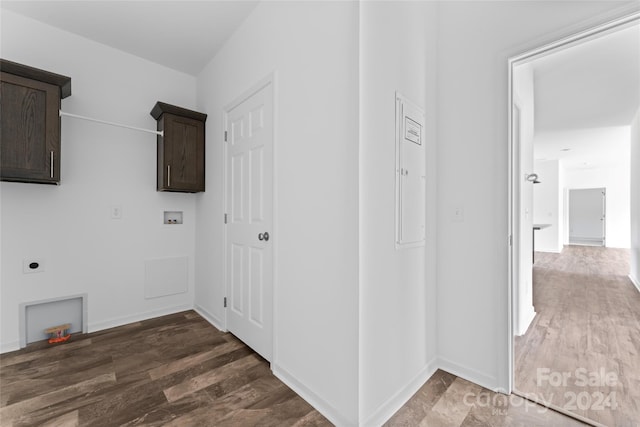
(36, 316)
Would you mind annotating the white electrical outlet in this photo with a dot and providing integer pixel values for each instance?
(116, 212)
(32, 265)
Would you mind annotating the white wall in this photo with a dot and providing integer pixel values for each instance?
(397, 287)
(69, 226)
(548, 206)
(475, 40)
(635, 201)
(617, 183)
(313, 49)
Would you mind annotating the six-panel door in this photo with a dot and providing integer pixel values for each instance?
(249, 247)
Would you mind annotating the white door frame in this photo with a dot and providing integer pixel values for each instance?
(270, 79)
(513, 189)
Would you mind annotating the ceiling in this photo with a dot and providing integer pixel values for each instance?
(594, 84)
(585, 98)
(606, 147)
(183, 35)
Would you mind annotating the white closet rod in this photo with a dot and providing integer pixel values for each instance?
(76, 116)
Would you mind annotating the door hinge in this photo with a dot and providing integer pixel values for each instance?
(225, 136)
(510, 239)
(225, 218)
(225, 302)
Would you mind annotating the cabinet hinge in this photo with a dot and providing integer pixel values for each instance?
(225, 218)
(225, 136)
(510, 239)
(225, 302)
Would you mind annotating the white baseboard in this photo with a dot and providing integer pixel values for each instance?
(124, 320)
(6, 347)
(528, 318)
(402, 396)
(210, 317)
(464, 372)
(550, 250)
(324, 407)
(635, 282)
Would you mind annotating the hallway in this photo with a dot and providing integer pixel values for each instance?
(581, 351)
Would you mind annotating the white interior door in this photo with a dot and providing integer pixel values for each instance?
(587, 216)
(249, 236)
(523, 309)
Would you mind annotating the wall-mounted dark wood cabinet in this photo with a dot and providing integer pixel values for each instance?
(180, 149)
(30, 134)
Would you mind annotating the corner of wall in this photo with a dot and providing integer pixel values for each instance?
(400, 397)
(210, 317)
(324, 407)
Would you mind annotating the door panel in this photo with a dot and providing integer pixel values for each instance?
(184, 152)
(30, 130)
(257, 283)
(237, 270)
(237, 188)
(249, 192)
(257, 179)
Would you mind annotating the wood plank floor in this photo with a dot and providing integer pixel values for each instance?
(178, 370)
(446, 400)
(588, 318)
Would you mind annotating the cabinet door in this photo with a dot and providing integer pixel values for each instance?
(30, 135)
(183, 154)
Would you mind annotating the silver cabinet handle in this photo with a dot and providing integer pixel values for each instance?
(168, 175)
(51, 164)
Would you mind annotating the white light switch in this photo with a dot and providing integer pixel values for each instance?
(116, 212)
(458, 214)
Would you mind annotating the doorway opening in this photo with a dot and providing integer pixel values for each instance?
(569, 262)
(587, 214)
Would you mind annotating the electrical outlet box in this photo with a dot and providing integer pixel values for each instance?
(32, 265)
(173, 217)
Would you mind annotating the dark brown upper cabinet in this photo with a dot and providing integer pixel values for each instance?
(181, 149)
(30, 135)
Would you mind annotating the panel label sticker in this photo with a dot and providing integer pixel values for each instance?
(412, 131)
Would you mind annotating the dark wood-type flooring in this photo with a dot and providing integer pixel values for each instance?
(588, 318)
(178, 370)
(175, 370)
